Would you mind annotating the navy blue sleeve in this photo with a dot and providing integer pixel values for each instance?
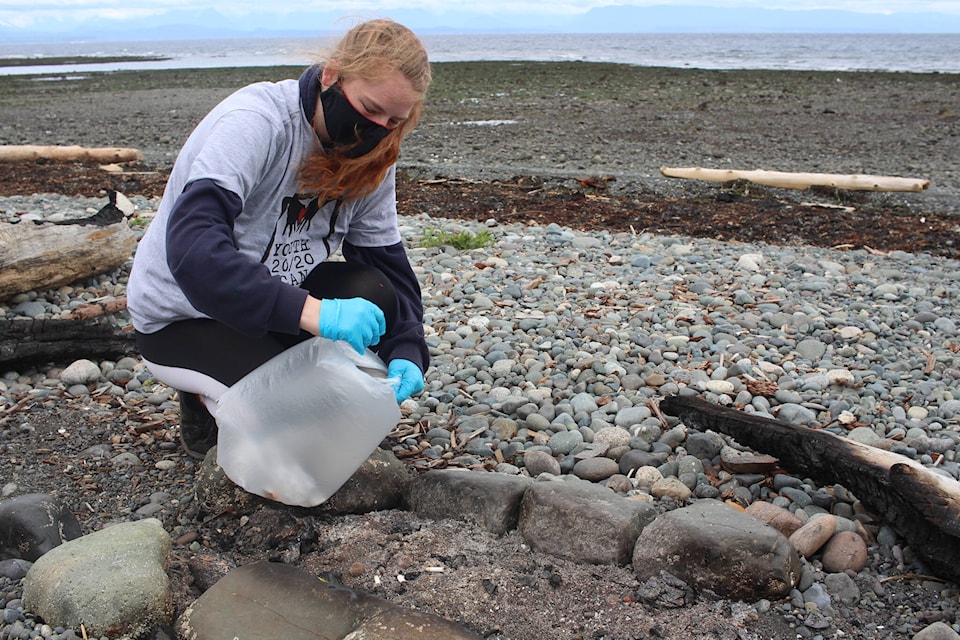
(405, 339)
(216, 278)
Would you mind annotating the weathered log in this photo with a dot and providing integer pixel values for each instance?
(18, 153)
(46, 256)
(923, 506)
(787, 180)
(27, 342)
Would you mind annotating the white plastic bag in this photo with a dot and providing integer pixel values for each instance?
(297, 427)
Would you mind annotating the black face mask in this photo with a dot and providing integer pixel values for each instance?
(346, 126)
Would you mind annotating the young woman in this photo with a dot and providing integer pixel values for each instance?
(236, 267)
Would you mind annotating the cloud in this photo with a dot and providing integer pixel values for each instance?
(64, 13)
(441, 6)
(25, 20)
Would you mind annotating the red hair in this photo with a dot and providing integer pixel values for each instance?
(371, 50)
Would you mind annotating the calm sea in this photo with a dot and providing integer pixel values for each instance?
(828, 52)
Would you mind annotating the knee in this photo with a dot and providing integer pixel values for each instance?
(351, 280)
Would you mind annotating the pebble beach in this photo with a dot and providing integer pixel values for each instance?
(552, 340)
(527, 336)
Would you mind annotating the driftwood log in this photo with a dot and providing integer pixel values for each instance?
(51, 254)
(923, 506)
(48, 255)
(787, 180)
(18, 153)
(26, 342)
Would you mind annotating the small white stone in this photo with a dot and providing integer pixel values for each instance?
(720, 386)
(478, 322)
(841, 377)
(502, 367)
(849, 333)
(846, 417)
(647, 476)
(750, 261)
(80, 372)
(613, 436)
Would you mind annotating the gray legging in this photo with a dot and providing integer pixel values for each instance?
(205, 357)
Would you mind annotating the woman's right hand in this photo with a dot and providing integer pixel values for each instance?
(355, 320)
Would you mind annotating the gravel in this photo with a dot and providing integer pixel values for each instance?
(545, 326)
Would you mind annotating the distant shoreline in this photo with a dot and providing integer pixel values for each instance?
(36, 61)
(918, 53)
(52, 64)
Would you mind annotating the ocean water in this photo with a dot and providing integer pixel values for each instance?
(825, 52)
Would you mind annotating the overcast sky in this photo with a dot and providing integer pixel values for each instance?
(123, 8)
(24, 13)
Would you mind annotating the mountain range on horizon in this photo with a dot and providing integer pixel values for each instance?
(208, 23)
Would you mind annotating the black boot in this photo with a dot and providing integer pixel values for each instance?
(198, 429)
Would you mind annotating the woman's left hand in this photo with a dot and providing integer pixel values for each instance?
(411, 378)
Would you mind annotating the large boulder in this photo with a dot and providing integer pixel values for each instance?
(712, 546)
(378, 484)
(112, 581)
(582, 521)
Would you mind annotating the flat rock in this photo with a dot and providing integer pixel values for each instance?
(490, 500)
(274, 600)
(597, 448)
(595, 469)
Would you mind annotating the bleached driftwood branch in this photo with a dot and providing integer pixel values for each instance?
(48, 255)
(787, 180)
(16, 153)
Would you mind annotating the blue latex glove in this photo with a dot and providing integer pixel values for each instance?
(411, 379)
(356, 320)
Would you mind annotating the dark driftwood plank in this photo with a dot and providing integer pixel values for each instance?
(24, 342)
(922, 505)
